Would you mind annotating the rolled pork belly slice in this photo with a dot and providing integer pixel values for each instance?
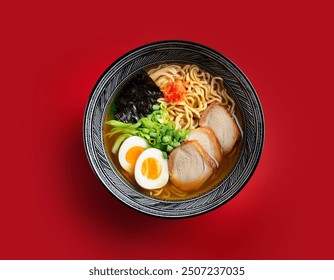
(190, 165)
(208, 140)
(223, 125)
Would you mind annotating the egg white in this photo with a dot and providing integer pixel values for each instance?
(127, 144)
(145, 182)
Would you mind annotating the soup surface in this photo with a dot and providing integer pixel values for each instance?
(165, 106)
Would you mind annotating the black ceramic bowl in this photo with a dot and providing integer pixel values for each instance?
(186, 53)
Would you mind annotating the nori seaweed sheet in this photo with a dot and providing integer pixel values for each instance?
(136, 98)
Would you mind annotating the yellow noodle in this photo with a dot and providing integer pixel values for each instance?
(203, 89)
(156, 192)
(166, 192)
(178, 191)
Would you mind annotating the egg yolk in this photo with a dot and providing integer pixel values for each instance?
(133, 154)
(151, 168)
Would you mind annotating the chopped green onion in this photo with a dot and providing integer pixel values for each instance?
(153, 134)
(123, 125)
(157, 128)
(118, 142)
(146, 130)
(169, 148)
(166, 138)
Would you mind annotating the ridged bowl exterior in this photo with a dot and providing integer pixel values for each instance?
(186, 53)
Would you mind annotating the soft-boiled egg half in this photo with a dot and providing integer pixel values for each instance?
(151, 170)
(129, 152)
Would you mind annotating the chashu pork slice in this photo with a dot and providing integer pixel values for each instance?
(223, 125)
(208, 140)
(190, 165)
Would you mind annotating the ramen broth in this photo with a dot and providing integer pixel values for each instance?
(225, 166)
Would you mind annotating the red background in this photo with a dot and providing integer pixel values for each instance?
(51, 204)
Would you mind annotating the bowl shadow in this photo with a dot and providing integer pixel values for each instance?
(88, 195)
(105, 219)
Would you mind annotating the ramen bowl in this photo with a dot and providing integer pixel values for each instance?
(239, 88)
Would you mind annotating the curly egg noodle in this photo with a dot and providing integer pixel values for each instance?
(188, 91)
(201, 89)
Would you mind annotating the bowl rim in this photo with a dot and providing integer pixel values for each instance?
(163, 214)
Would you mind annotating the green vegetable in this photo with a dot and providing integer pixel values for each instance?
(118, 142)
(166, 139)
(169, 148)
(157, 128)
